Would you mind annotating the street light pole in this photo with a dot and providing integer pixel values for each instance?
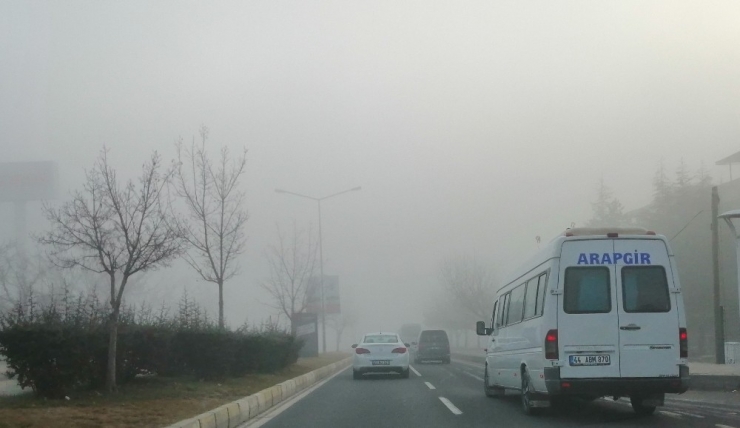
(321, 286)
(729, 217)
(321, 256)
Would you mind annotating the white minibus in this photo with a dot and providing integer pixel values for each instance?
(597, 312)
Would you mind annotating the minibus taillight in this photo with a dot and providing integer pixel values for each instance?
(683, 342)
(551, 345)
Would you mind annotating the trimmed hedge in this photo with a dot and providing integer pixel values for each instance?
(54, 361)
(57, 352)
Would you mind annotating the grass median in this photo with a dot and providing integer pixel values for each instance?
(145, 402)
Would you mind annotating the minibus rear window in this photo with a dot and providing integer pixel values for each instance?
(645, 289)
(587, 290)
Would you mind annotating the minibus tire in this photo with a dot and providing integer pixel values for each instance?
(527, 395)
(640, 408)
(491, 391)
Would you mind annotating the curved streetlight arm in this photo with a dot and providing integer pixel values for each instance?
(318, 199)
(340, 193)
(728, 217)
(295, 194)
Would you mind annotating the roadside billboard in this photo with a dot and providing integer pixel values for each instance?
(331, 295)
(27, 181)
(306, 328)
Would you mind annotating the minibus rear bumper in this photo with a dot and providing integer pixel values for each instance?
(616, 386)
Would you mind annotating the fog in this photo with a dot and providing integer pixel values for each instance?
(472, 127)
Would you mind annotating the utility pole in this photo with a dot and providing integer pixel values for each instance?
(719, 328)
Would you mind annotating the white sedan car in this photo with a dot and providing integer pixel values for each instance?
(380, 353)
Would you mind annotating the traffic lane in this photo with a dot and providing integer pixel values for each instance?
(462, 384)
(702, 405)
(719, 407)
(378, 400)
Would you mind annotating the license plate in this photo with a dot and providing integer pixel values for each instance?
(590, 360)
(382, 362)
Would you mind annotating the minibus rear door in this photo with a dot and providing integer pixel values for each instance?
(588, 325)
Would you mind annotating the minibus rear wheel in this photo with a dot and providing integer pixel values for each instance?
(640, 408)
(527, 395)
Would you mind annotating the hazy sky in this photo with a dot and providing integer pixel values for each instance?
(471, 126)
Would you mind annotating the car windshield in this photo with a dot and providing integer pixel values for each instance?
(380, 338)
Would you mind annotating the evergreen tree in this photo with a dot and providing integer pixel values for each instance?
(606, 210)
(662, 187)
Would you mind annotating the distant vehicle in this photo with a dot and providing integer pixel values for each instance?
(380, 353)
(597, 312)
(409, 332)
(432, 345)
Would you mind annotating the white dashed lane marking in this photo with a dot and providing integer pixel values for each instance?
(429, 385)
(450, 406)
(414, 370)
(690, 414)
(472, 375)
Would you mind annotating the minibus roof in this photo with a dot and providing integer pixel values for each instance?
(607, 231)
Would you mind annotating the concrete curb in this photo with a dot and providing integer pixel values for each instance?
(237, 412)
(701, 382)
(698, 382)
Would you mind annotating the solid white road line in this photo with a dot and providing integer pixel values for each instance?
(450, 406)
(414, 370)
(722, 426)
(430, 385)
(671, 414)
(280, 408)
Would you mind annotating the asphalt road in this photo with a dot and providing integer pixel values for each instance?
(451, 396)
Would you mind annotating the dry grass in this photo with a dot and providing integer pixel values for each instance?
(147, 402)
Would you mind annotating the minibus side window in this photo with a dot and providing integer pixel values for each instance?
(587, 290)
(516, 305)
(541, 294)
(645, 289)
(504, 310)
(530, 299)
(493, 316)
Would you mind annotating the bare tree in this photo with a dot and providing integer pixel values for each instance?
(117, 230)
(292, 263)
(214, 225)
(20, 274)
(469, 283)
(340, 322)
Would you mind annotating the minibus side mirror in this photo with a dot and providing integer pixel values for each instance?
(481, 330)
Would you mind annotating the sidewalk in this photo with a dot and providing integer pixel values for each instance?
(704, 376)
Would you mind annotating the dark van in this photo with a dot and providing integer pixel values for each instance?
(433, 345)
